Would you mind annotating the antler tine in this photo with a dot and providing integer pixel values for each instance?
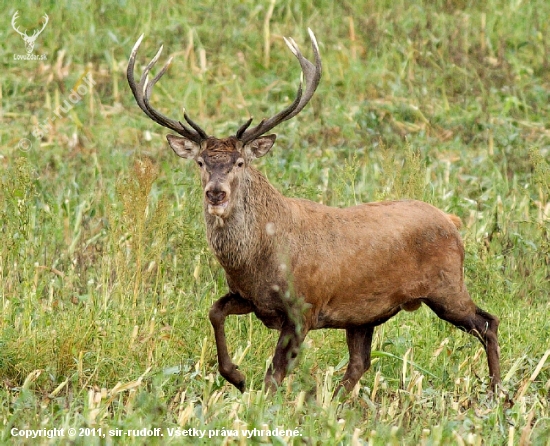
(312, 74)
(243, 127)
(195, 126)
(142, 93)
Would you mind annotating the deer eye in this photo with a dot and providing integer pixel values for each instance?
(200, 163)
(240, 163)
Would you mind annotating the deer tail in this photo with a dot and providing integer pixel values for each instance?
(455, 220)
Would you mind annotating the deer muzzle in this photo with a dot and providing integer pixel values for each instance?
(217, 199)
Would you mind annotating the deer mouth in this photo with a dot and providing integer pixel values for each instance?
(217, 209)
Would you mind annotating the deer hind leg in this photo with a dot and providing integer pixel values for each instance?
(487, 332)
(461, 311)
(359, 341)
(287, 350)
(231, 303)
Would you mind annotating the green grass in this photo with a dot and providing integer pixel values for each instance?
(105, 274)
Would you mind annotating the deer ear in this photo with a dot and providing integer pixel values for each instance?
(184, 148)
(260, 146)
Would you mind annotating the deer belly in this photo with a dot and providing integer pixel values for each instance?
(343, 317)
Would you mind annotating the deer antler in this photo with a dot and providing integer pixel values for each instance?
(36, 33)
(16, 28)
(142, 93)
(312, 75)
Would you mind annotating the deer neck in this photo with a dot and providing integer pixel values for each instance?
(246, 236)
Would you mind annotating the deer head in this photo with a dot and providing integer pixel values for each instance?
(29, 40)
(223, 162)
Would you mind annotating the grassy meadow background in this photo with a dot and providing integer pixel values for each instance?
(105, 274)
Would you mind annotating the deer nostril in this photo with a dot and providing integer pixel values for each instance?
(215, 196)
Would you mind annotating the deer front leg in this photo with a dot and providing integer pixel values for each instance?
(231, 303)
(286, 351)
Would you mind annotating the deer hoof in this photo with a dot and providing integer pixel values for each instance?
(241, 386)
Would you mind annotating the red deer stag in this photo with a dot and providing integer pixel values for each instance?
(300, 265)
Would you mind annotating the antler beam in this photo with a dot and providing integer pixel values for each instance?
(142, 92)
(311, 73)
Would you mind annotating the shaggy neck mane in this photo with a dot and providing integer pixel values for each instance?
(243, 235)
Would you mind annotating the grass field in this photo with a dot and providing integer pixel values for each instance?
(105, 274)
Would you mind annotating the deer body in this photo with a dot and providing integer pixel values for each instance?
(300, 265)
(337, 260)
